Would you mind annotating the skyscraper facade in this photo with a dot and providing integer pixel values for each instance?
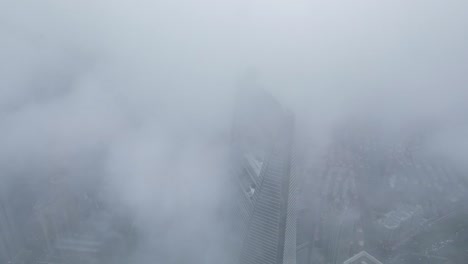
(263, 149)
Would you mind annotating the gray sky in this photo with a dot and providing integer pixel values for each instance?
(151, 84)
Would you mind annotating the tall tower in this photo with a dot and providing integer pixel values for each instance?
(8, 247)
(263, 149)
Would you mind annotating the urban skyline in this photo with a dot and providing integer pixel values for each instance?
(233, 132)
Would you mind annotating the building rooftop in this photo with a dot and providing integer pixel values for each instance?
(79, 244)
(255, 163)
(393, 219)
(362, 258)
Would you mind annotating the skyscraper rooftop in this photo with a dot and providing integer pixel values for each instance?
(362, 258)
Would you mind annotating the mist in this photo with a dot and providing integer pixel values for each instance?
(129, 104)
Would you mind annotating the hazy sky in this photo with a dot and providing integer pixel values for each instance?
(149, 86)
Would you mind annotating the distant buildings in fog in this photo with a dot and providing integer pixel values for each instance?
(49, 220)
(400, 223)
(390, 184)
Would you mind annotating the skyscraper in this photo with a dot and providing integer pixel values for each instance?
(263, 153)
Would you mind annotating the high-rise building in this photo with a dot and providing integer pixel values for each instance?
(265, 170)
(9, 246)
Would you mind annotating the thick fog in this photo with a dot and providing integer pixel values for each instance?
(135, 98)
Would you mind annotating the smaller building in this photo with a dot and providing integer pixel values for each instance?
(362, 258)
(83, 249)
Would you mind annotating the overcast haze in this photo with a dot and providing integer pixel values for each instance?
(140, 94)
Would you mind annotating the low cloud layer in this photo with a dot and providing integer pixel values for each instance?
(141, 92)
